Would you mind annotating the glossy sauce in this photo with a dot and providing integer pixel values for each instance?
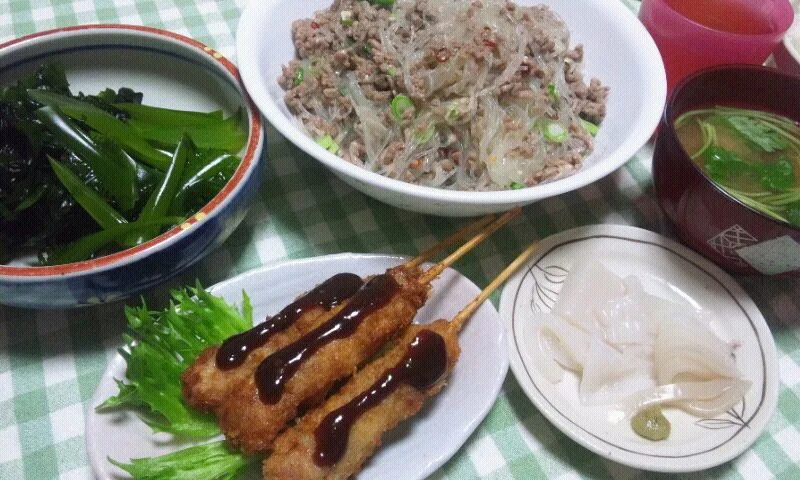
(278, 368)
(233, 352)
(423, 365)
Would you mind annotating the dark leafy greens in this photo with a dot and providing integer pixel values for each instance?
(73, 166)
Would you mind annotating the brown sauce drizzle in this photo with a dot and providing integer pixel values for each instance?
(423, 365)
(279, 367)
(330, 293)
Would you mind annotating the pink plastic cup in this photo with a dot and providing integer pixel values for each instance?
(688, 46)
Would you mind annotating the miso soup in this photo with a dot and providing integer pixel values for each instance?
(753, 155)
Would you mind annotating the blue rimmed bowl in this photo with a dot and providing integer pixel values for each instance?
(172, 71)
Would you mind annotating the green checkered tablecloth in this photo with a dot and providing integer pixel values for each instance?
(50, 362)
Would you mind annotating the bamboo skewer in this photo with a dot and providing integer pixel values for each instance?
(437, 269)
(464, 315)
(451, 240)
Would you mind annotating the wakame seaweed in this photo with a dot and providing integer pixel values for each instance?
(74, 164)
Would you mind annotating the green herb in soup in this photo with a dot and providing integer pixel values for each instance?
(85, 175)
(753, 155)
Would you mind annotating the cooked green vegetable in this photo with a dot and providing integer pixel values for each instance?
(590, 127)
(162, 345)
(424, 132)
(167, 116)
(552, 90)
(90, 200)
(75, 165)
(299, 76)
(400, 104)
(382, 3)
(758, 132)
(115, 171)
(554, 131)
(85, 246)
(202, 179)
(159, 202)
(328, 143)
(106, 124)
(753, 155)
(225, 135)
(212, 461)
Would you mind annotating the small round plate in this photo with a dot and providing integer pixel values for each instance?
(669, 270)
(416, 448)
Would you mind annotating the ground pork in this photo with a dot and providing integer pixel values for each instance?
(445, 93)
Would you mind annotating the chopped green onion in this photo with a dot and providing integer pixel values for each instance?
(367, 48)
(328, 143)
(553, 92)
(347, 17)
(391, 72)
(299, 76)
(423, 136)
(590, 127)
(517, 185)
(400, 104)
(555, 132)
(452, 111)
(382, 3)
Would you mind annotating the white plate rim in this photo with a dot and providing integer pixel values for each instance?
(603, 447)
(117, 364)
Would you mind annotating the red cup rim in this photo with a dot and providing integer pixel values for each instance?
(670, 125)
(788, 15)
(246, 165)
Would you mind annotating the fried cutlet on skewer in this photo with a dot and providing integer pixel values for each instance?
(219, 370)
(300, 374)
(334, 440)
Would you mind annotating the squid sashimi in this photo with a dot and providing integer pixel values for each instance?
(558, 345)
(685, 349)
(609, 373)
(583, 296)
(702, 399)
(633, 349)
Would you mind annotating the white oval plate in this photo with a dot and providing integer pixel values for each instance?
(416, 448)
(666, 269)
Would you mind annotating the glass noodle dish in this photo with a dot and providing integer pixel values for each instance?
(465, 95)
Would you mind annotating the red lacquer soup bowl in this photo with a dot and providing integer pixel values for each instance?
(720, 227)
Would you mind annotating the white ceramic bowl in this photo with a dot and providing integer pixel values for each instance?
(618, 50)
